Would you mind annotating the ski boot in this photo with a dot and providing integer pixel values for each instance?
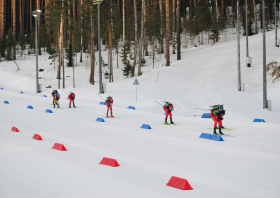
(165, 121)
(53, 106)
(74, 105)
(107, 115)
(214, 132)
(69, 106)
(112, 115)
(58, 106)
(220, 131)
(171, 122)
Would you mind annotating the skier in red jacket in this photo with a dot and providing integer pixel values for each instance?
(168, 107)
(109, 102)
(71, 97)
(217, 114)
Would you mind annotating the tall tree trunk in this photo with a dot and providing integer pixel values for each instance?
(2, 23)
(70, 36)
(173, 29)
(20, 18)
(14, 26)
(255, 16)
(123, 11)
(38, 23)
(30, 16)
(161, 27)
(62, 54)
(74, 23)
(232, 12)
(178, 30)
(190, 8)
(81, 54)
(141, 39)
(167, 34)
(58, 76)
(223, 7)
(135, 38)
(91, 78)
(48, 27)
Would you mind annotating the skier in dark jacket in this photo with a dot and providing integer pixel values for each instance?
(217, 114)
(168, 107)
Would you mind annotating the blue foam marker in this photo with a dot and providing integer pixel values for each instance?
(216, 138)
(48, 111)
(21, 92)
(131, 107)
(258, 120)
(102, 103)
(205, 135)
(206, 115)
(146, 126)
(29, 107)
(44, 96)
(100, 120)
(1, 88)
(6, 102)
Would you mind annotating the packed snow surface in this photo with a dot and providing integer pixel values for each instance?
(245, 165)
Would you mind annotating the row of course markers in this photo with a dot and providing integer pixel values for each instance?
(174, 182)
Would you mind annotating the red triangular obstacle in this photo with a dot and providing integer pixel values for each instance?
(37, 137)
(179, 183)
(59, 147)
(14, 129)
(109, 162)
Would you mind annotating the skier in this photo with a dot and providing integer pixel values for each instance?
(109, 102)
(168, 107)
(56, 98)
(217, 114)
(53, 92)
(71, 97)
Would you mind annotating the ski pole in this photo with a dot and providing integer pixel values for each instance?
(203, 109)
(65, 92)
(197, 115)
(158, 103)
(101, 97)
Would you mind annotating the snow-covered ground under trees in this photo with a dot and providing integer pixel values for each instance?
(245, 165)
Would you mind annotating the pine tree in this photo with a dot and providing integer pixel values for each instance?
(127, 69)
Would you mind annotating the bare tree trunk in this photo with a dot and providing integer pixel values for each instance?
(167, 35)
(81, 54)
(38, 23)
(161, 27)
(30, 16)
(59, 52)
(20, 17)
(255, 16)
(2, 22)
(91, 78)
(14, 26)
(232, 12)
(123, 10)
(178, 30)
(173, 29)
(141, 39)
(62, 54)
(135, 38)
(74, 21)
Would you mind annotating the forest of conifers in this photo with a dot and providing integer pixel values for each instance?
(131, 27)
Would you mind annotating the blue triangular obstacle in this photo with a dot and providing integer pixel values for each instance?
(258, 120)
(216, 138)
(131, 107)
(48, 111)
(29, 107)
(100, 120)
(1, 88)
(145, 126)
(21, 92)
(102, 103)
(206, 115)
(6, 102)
(205, 135)
(44, 96)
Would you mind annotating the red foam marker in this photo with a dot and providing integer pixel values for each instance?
(37, 137)
(59, 147)
(14, 129)
(109, 162)
(179, 183)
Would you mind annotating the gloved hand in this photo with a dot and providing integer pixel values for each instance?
(169, 111)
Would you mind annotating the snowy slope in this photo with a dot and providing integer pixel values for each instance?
(246, 165)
